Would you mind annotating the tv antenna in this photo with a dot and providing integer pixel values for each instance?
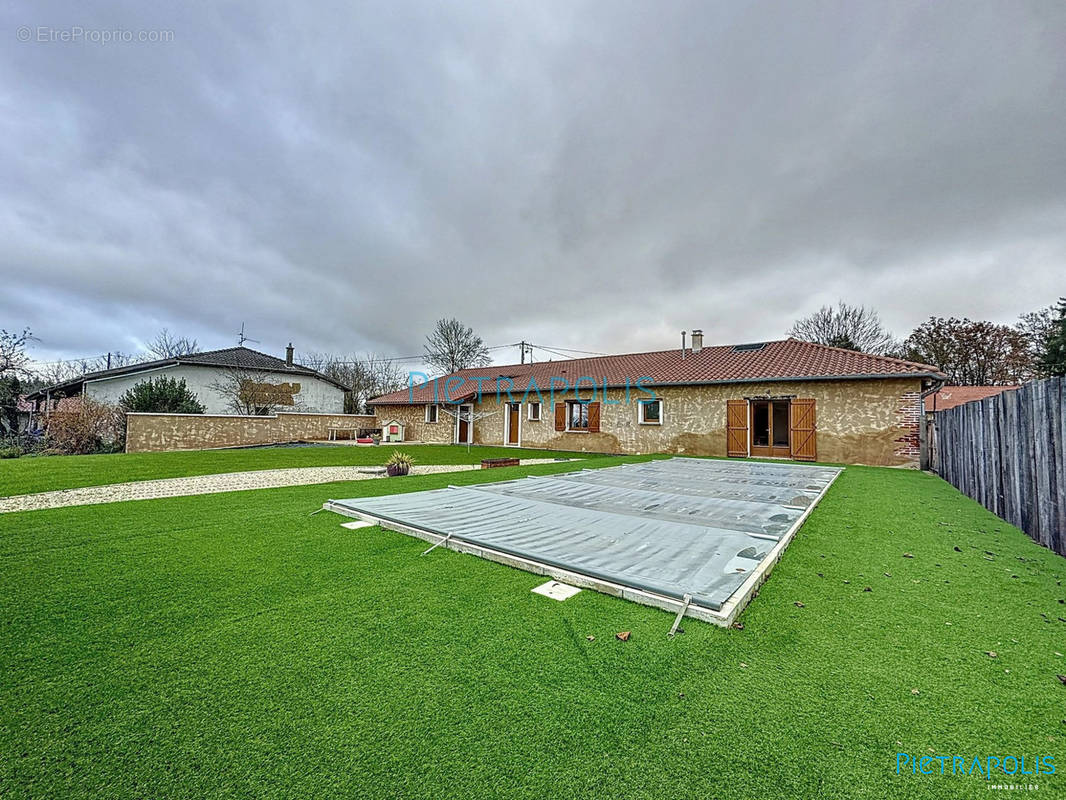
(241, 338)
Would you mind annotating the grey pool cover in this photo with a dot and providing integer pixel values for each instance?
(676, 527)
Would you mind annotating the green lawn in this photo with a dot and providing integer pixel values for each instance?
(234, 646)
(45, 473)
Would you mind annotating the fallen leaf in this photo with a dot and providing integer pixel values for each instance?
(798, 604)
(907, 555)
(867, 589)
(915, 691)
(958, 549)
(745, 666)
(622, 637)
(1062, 679)
(888, 574)
(591, 638)
(738, 626)
(991, 653)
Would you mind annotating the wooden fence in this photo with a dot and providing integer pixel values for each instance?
(1008, 452)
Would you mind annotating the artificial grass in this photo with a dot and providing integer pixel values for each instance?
(231, 645)
(47, 473)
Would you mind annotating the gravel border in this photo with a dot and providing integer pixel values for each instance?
(223, 482)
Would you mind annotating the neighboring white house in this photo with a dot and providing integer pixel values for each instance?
(291, 387)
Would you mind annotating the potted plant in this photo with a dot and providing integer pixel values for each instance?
(398, 464)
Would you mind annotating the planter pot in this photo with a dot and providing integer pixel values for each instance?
(396, 470)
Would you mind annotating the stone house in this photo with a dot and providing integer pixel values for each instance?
(281, 383)
(779, 399)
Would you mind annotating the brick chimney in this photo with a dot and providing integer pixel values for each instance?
(288, 355)
(697, 340)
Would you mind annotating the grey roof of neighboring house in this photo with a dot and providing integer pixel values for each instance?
(229, 357)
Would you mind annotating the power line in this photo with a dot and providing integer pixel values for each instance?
(571, 350)
(102, 356)
(554, 352)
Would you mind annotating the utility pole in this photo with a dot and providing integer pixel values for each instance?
(526, 345)
(109, 361)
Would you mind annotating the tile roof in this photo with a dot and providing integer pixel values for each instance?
(787, 359)
(950, 396)
(229, 357)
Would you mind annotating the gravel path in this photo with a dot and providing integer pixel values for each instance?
(209, 484)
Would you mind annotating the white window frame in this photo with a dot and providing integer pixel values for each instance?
(640, 411)
(436, 413)
(569, 405)
(529, 411)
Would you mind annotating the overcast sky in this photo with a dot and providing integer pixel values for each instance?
(596, 176)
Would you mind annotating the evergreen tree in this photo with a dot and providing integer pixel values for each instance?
(1055, 356)
(161, 395)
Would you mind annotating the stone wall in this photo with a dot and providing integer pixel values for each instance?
(154, 432)
(859, 421)
(416, 429)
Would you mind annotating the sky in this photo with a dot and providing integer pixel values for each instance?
(589, 175)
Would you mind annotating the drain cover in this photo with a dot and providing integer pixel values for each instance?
(556, 590)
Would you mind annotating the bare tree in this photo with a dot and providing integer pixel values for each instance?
(251, 392)
(13, 357)
(363, 378)
(453, 346)
(167, 345)
(971, 353)
(847, 326)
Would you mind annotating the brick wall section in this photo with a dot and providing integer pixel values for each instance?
(909, 420)
(155, 432)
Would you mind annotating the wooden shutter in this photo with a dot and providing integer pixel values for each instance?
(802, 423)
(594, 417)
(560, 416)
(736, 428)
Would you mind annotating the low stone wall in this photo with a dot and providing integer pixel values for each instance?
(155, 432)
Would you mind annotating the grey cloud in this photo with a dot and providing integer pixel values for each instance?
(581, 175)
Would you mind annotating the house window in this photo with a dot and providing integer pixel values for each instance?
(577, 415)
(534, 412)
(431, 412)
(651, 412)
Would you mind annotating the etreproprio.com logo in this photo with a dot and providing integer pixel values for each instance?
(987, 767)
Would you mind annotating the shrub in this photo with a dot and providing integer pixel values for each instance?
(84, 426)
(399, 463)
(161, 395)
(10, 451)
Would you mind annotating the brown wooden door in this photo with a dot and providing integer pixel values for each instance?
(770, 429)
(803, 428)
(736, 427)
(462, 434)
(513, 421)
